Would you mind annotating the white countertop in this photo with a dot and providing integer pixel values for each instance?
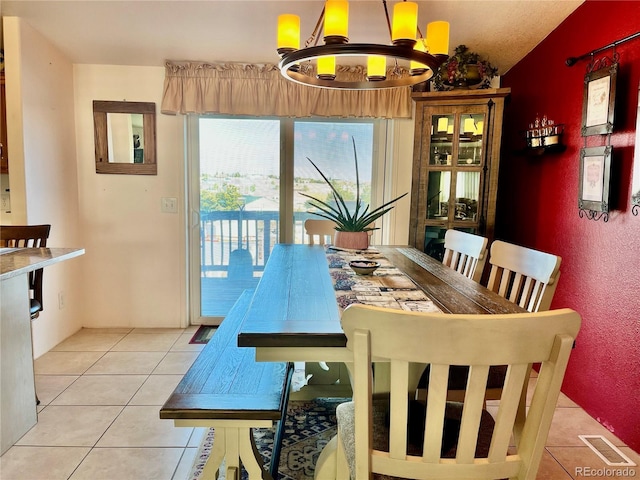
(18, 261)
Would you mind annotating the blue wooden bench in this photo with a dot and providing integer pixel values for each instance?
(227, 389)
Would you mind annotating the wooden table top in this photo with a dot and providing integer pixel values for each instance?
(295, 303)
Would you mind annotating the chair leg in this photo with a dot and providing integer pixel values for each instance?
(326, 463)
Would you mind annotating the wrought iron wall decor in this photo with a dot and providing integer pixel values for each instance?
(593, 191)
(598, 119)
(571, 61)
(599, 96)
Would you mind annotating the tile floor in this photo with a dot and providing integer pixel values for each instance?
(101, 390)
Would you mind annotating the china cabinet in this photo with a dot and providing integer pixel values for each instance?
(455, 164)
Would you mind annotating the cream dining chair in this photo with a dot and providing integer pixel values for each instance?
(319, 231)
(524, 276)
(465, 253)
(380, 437)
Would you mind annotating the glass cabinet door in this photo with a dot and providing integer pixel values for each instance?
(438, 189)
(456, 163)
(470, 139)
(452, 177)
(455, 160)
(440, 152)
(467, 196)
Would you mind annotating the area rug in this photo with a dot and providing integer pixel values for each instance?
(309, 425)
(203, 334)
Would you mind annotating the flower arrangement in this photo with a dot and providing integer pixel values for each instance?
(357, 221)
(463, 69)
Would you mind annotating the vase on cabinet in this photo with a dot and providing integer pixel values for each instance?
(470, 77)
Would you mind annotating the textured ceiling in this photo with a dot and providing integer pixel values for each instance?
(147, 32)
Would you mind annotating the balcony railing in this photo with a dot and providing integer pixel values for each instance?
(224, 232)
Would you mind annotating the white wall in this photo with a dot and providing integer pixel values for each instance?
(42, 167)
(134, 271)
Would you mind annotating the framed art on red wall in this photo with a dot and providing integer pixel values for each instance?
(595, 167)
(599, 100)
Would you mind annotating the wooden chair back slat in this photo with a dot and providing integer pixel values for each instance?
(399, 413)
(434, 423)
(474, 400)
(516, 378)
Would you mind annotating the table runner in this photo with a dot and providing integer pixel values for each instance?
(387, 287)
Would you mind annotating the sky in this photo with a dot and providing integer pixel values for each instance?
(253, 146)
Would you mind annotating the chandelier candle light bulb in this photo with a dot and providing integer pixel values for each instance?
(327, 67)
(469, 126)
(438, 38)
(288, 33)
(418, 68)
(405, 23)
(376, 68)
(336, 21)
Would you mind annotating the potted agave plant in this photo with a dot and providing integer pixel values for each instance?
(352, 227)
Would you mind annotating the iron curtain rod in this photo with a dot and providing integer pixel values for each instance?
(571, 61)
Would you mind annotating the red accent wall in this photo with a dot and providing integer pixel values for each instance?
(538, 208)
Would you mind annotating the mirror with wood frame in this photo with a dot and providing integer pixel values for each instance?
(125, 137)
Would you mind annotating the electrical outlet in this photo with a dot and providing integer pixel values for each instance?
(60, 300)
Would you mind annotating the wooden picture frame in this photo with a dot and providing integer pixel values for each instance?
(599, 101)
(595, 168)
(140, 163)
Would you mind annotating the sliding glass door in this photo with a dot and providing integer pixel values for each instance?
(245, 178)
(330, 145)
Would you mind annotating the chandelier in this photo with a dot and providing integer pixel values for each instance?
(413, 58)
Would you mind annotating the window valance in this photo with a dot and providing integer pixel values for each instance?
(260, 90)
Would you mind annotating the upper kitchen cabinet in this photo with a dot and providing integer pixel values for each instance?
(455, 165)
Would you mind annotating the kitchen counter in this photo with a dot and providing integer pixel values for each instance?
(17, 261)
(17, 388)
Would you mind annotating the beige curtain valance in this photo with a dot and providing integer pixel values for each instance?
(260, 90)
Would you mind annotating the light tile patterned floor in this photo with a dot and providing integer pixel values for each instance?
(101, 390)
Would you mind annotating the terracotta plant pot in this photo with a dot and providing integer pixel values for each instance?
(351, 240)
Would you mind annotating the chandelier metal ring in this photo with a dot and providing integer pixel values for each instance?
(289, 62)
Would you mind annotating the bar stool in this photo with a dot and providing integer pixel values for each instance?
(28, 236)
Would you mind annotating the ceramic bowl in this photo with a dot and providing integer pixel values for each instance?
(363, 267)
